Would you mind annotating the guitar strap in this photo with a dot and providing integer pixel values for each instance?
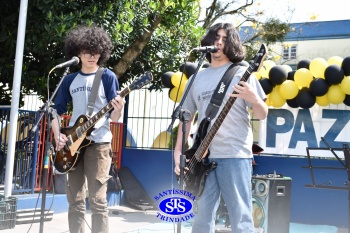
(219, 93)
(94, 90)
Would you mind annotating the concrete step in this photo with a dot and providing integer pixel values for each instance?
(32, 216)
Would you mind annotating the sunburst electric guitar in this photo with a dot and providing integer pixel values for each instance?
(198, 163)
(69, 156)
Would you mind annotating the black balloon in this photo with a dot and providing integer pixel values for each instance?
(278, 75)
(345, 65)
(347, 100)
(266, 85)
(206, 65)
(305, 63)
(334, 74)
(166, 79)
(189, 68)
(319, 87)
(305, 99)
(293, 103)
(291, 75)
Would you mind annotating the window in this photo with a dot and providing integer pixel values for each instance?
(289, 52)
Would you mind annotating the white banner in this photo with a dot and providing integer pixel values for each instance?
(290, 131)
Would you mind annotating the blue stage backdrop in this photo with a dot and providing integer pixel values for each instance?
(154, 170)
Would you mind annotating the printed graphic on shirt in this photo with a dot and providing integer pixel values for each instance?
(206, 95)
(78, 89)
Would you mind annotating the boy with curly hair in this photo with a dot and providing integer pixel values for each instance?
(93, 47)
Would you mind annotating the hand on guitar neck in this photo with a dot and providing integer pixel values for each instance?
(177, 169)
(118, 105)
(60, 139)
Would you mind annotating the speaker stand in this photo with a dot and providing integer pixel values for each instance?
(345, 166)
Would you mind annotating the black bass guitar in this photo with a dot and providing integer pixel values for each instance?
(198, 163)
(69, 156)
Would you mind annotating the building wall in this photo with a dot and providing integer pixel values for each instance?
(311, 49)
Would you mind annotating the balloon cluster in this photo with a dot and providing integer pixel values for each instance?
(177, 81)
(314, 81)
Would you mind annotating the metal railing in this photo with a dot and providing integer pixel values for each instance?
(26, 149)
(29, 150)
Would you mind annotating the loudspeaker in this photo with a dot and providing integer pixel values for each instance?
(271, 203)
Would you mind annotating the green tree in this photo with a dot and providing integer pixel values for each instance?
(147, 35)
(267, 31)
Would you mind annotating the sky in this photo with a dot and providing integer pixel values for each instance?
(296, 11)
(305, 9)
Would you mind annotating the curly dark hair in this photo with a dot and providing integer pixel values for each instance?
(233, 48)
(93, 39)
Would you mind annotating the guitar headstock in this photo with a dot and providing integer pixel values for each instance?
(259, 57)
(141, 81)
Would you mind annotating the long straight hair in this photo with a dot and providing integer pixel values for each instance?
(233, 48)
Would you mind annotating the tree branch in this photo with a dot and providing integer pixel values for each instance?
(136, 47)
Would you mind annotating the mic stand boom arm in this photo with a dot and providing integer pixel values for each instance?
(46, 108)
(177, 110)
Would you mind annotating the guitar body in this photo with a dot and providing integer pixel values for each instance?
(69, 156)
(196, 176)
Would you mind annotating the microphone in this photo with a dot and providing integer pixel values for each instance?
(207, 49)
(73, 61)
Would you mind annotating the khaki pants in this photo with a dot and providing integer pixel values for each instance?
(94, 168)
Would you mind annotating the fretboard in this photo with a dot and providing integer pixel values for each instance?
(95, 118)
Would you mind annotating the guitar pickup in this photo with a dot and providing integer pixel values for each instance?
(78, 132)
(69, 142)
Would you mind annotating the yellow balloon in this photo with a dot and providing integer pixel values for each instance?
(335, 60)
(175, 92)
(322, 100)
(345, 85)
(303, 77)
(183, 85)
(287, 68)
(335, 94)
(257, 75)
(268, 102)
(176, 78)
(266, 67)
(289, 89)
(162, 140)
(317, 67)
(276, 99)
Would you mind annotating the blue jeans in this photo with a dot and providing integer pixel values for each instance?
(231, 178)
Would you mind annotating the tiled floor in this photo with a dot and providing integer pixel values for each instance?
(123, 219)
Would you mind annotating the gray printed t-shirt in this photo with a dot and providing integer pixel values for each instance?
(234, 138)
(76, 88)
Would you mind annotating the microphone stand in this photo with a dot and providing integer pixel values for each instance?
(184, 116)
(50, 114)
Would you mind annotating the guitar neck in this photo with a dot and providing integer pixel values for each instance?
(103, 111)
(221, 117)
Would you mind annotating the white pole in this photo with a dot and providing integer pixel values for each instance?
(15, 97)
